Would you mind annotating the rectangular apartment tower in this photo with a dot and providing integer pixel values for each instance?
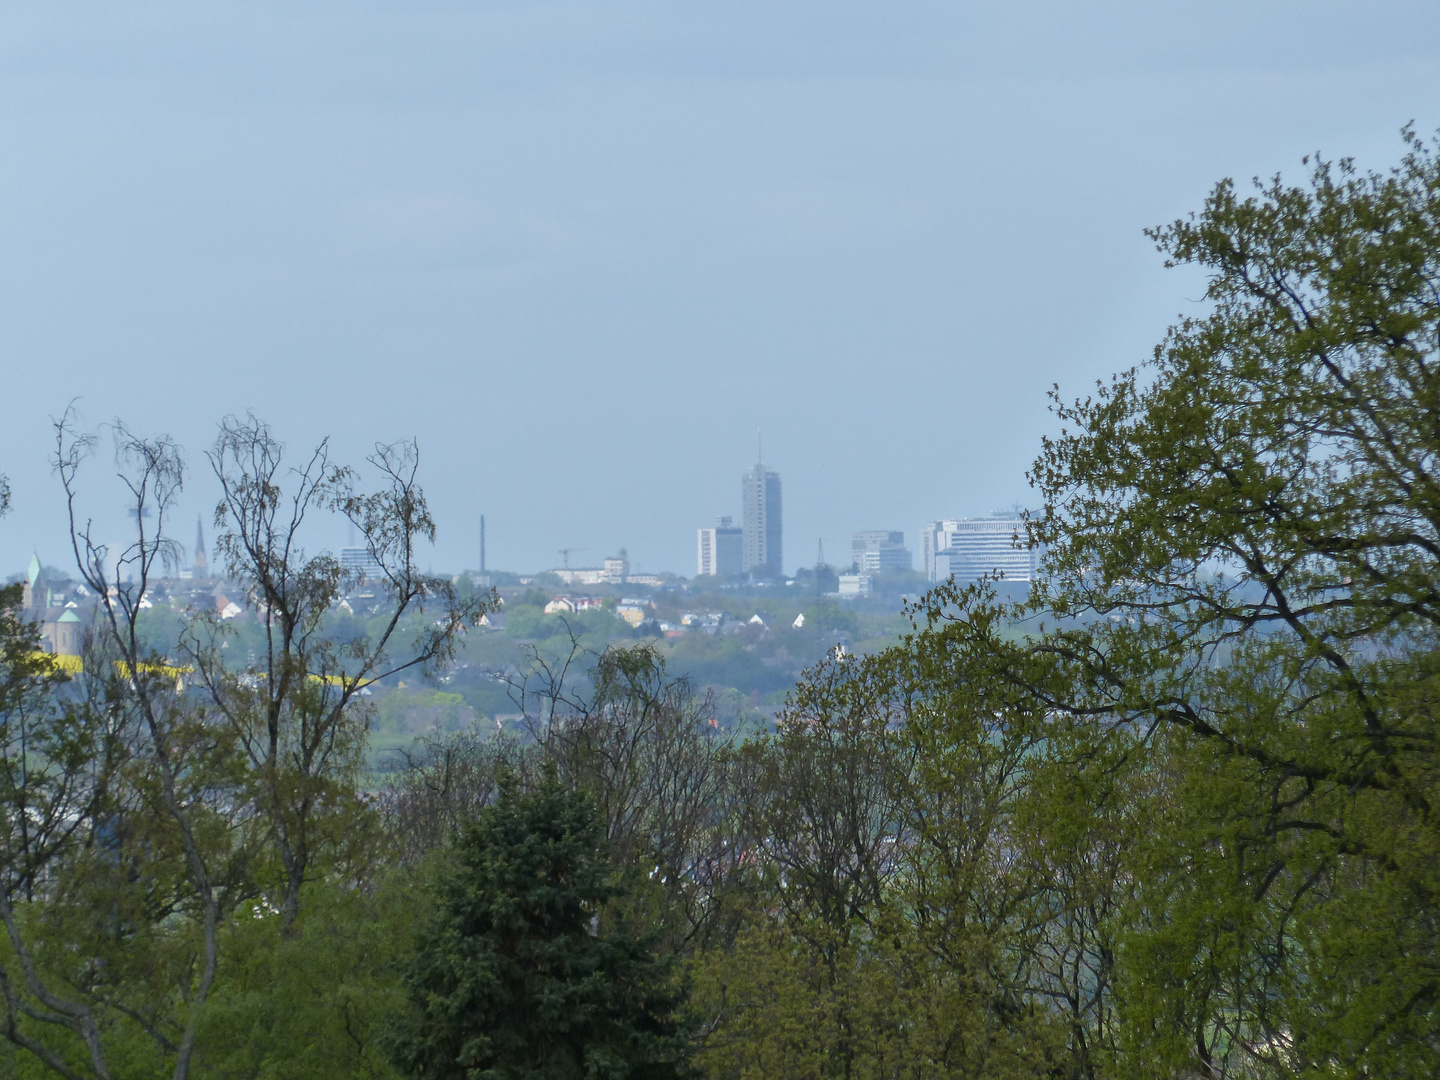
(720, 551)
(760, 497)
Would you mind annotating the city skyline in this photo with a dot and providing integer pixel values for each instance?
(870, 550)
(448, 223)
(755, 547)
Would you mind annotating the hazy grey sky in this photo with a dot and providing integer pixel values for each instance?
(580, 249)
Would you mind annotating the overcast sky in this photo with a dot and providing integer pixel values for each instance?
(579, 250)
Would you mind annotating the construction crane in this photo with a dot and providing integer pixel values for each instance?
(565, 554)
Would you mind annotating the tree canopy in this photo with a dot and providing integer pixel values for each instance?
(518, 975)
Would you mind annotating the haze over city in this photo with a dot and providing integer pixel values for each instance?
(580, 250)
(884, 622)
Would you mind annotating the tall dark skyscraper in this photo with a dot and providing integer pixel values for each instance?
(760, 497)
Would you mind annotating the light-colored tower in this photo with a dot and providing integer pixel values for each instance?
(760, 496)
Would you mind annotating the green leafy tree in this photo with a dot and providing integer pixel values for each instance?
(518, 974)
(311, 1003)
(1241, 649)
(1255, 517)
(900, 917)
(1189, 811)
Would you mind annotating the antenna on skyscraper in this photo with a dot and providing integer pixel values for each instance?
(759, 446)
(482, 543)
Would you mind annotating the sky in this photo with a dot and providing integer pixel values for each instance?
(580, 250)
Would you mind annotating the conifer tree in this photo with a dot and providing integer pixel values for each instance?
(517, 974)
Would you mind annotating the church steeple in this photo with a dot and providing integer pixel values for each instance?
(36, 592)
(201, 566)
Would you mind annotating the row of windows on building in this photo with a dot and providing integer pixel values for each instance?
(968, 549)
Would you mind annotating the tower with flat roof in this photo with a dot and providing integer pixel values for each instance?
(720, 552)
(967, 549)
(763, 547)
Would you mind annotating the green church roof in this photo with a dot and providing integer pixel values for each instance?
(69, 616)
(34, 571)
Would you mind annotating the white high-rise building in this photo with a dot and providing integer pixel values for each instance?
(968, 549)
(760, 497)
(720, 551)
(359, 561)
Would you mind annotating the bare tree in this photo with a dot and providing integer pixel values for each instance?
(651, 753)
(645, 746)
(442, 782)
(176, 753)
(140, 806)
(295, 709)
(828, 811)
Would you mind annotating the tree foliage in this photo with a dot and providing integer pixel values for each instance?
(517, 973)
(1249, 530)
(148, 802)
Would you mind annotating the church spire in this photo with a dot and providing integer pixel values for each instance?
(35, 593)
(201, 566)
